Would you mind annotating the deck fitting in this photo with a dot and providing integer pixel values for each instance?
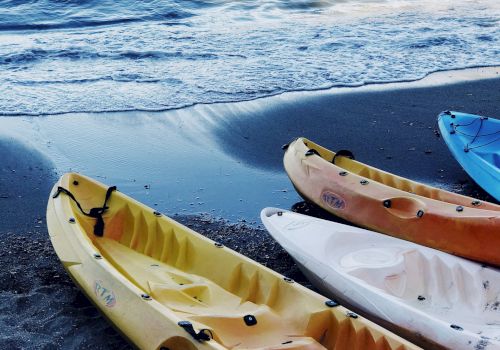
(146, 296)
(311, 152)
(250, 320)
(331, 303)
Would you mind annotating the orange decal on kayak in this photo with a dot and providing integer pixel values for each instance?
(105, 295)
(333, 200)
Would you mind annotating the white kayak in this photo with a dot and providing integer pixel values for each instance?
(421, 292)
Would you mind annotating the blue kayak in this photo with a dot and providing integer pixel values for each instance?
(474, 141)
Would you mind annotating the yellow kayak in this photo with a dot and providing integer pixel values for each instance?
(165, 286)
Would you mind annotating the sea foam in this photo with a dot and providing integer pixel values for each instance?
(60, 57)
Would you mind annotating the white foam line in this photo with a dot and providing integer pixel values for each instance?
(440, 78)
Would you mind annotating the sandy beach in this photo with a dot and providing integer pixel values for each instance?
(389, 128)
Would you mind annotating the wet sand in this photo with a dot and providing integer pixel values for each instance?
(389, 129)
(392, 129)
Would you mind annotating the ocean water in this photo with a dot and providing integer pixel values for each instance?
(104, 55)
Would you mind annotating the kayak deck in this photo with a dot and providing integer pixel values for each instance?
(465, 293)
(447, 299)
(149, 275)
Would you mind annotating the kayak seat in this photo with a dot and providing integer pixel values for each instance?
(179, 290)
(166, 244)
(204, 303)
(171, 247)
(384, 268)
(408, 274)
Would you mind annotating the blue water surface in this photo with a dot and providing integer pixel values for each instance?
(76, 56)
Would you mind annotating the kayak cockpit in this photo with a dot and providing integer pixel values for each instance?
(202, 302)
(461, 293)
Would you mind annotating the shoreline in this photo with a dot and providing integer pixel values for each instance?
(436, 78)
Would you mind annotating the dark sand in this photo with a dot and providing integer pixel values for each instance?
(41, 308)
(391, 129)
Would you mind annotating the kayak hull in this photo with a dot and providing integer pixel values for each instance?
(415, 289)
(393, 205)
(474, 141)
(165, 286)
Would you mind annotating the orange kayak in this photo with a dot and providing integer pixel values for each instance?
(393, 205)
